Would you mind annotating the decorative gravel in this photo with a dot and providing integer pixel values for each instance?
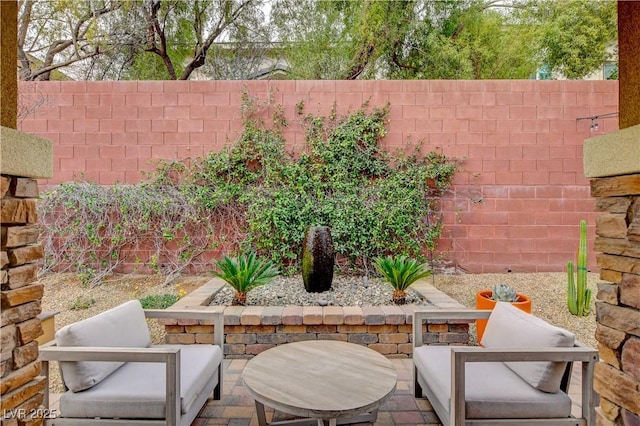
(345, 291)
(547, 291)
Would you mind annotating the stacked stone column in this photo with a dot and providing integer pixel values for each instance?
(23, 158)
(20, 381)
(617, 375)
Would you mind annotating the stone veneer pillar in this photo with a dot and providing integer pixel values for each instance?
(23, 158)
(613, 163)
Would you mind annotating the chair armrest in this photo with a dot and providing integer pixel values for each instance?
(443, 315)
(214, 314)
(481, 354)
(111, 354)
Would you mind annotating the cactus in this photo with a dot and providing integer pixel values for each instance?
(503, 293)
(579, 296)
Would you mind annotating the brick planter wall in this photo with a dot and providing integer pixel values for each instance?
(253, 329)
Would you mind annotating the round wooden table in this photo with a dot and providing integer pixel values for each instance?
(322, 380)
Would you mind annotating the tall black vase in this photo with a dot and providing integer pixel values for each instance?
(318, 258)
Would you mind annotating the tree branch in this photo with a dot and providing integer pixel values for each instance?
(45, 70)
(362, 59)
(201, 53)
(154, 30)
(396, 60)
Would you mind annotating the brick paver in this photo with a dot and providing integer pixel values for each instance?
(237, 408)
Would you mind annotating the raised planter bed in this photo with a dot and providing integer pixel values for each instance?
(250, 330)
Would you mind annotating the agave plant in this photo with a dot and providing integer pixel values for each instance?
(244, 273)
(400, 272)
(504, 293)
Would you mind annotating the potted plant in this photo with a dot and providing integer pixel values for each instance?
(486, 300)
(244, 273)
(400, 272)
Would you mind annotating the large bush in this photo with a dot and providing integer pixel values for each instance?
(256, 195)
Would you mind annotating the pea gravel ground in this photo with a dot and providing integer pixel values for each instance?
(64, 292)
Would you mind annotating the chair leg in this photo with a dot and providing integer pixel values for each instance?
(217, 391)
(417, 389)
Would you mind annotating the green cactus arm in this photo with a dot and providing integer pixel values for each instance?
(571, 290)
(587, 306)
(582, 266)
(583, 306)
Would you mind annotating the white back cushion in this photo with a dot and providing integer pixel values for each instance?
(122, 326)
(510, 328)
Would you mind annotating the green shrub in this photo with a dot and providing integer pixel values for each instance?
(159, 301)
(82, 302)
(254, 195)
(374, 203)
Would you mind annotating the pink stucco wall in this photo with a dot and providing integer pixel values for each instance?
(517, 199)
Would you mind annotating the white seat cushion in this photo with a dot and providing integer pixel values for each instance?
(122, 326)
(492, 390)
(510, 328)
(137, 390)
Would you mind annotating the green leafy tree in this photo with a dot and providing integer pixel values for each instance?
(119, 39)
(338, 39)
(495, 47)
(449, 39)
(328, 39)
(180, 33)
(55, 35)
(575, 34)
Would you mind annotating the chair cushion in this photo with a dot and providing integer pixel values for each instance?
(509, 327)
(122, 326)
(492, 390)
(137, 389)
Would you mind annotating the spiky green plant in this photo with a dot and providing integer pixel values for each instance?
(400, 272)
(244, 273)
(579, 296)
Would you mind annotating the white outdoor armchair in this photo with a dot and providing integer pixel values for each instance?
(114, 376)
(520, 376)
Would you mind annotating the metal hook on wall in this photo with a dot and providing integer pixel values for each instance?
(594, 119)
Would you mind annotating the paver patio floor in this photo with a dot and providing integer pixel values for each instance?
(237, 408)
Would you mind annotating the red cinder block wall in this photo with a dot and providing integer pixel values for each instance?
(517, 199)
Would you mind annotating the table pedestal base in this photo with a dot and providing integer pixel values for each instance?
(362, 418)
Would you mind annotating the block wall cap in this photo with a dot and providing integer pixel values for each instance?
(25, 155)
(613, 154)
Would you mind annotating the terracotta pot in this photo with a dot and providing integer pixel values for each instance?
(485, 302)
